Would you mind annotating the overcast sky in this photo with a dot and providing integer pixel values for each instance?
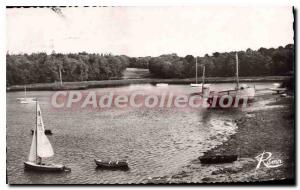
(143, 31)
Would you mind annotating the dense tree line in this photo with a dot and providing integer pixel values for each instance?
(139, 62)
(279, 61)
(43, 68)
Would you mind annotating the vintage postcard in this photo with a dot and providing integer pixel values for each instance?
(150, 95)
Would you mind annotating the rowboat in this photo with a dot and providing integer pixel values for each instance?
(218, 159)
(121, 164)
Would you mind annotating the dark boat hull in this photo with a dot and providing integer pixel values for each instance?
(44, 168)
(112, 164)
(218, 159)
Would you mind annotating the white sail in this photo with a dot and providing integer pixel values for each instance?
(40, 143)
(32, 153)
(44, 148)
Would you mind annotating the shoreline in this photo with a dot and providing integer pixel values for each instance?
(125, 82)
(270, 130)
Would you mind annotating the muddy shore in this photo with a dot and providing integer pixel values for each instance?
(271, 129)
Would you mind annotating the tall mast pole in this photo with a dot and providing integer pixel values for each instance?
(60, 77)
(237, 70)
(25, 91)
(36, 137)
(203, 77)
(196, 71)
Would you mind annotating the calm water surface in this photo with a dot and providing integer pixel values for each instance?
(156, 142)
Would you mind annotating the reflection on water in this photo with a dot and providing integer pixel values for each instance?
(154, 141)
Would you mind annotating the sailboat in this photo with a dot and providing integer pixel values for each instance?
(25, 100)
(41, 148)
(203, 76)
(241, 92)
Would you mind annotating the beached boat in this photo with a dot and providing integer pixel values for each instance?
(26, 100)
(239, 95)
(121, 164)
(41, 148)
(218, 159)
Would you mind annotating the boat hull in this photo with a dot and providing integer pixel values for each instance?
(162, 84)
(218, 159)
(199, 85)
(112, 164)
(237, 97)
(44, 168)
(26, 100)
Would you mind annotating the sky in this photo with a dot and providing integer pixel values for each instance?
(148, 31)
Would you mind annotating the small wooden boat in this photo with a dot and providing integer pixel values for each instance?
(218, 159)
(41, 148)
(121, 164)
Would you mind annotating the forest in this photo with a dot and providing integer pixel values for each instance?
(44, 68)
(263, 62)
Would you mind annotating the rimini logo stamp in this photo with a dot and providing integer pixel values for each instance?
(265, 159)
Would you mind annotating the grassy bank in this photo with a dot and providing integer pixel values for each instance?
(125, 82)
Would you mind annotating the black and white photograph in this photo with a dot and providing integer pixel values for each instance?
(150, 94)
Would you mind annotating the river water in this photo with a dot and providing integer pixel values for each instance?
(156, 142)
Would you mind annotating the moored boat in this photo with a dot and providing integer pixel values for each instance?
(26, 100)
(242, 94)
(121, 164)
(200, 85)
(162, 84)
(218, 159)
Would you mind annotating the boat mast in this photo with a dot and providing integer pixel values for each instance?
(237, 70)
(25, 91)
(203, 77)
(36, 141)
(196, 71)
(60, 76)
